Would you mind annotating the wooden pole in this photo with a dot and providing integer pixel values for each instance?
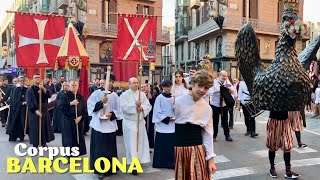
(140, 77)
(76, 106)
(40, 109)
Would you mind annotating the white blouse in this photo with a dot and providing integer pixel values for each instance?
(199, 113)
(179, 90)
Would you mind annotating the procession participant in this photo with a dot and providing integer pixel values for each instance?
(219, 106)
(243, 98)
(192, 72)
(33, 102)
(131, 106)
(194, 132)
(164, 125)
(295, 118)
(72, 119)
(149, 124)
(4, 91)
(105, 110)
(16, 119)
(180, 87)
(57, 113)
(95, 86)
(59, 84)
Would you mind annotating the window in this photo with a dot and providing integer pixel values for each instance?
(197, 51)
(219, 46)
(253, 9)
(147, 10)
(280, 10)
(258, 44)
(197, 17)
(189, 51)
(112, 8)
(206, 47)
(182, 47)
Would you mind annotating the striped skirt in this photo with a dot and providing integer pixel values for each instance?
(279, 135)
(190, 163)
(296, 120)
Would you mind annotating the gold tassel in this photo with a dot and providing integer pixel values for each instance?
(88, 66)
(80, 64)
(66, 65)
(56, 65)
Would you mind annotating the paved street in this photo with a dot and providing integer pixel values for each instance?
(244, 159)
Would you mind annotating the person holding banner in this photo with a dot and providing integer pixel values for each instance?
(74, 109)
(105, 110)
(16, 120)
(34, 112)
(131, 104)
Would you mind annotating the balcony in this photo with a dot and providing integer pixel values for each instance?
(111, 30)
(181, 34)
(53, 9)
(62, 4)
(202, 30)
(184, 3)
(194, 4)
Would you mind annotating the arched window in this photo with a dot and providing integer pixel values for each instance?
(206, 46)
(219, 46)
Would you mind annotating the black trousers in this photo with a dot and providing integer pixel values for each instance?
(248, 120)
(230, 117)
(216, 111)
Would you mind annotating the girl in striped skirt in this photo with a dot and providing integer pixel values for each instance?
(194, 132)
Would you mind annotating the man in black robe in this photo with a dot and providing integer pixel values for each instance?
(59, 84)
(3, 103)
(34, 113)
(17, 114)
(71, 121)
(57, 113)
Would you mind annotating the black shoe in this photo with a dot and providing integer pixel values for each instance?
(247, 133)
(273, 173)
(253, 135)
(302, 145)
(229, 139)
(291, 175)
(3, 125)
(134, 172)
(12, 139)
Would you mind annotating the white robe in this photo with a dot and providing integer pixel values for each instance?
(163, 107)
(128, 101)
(113, 105)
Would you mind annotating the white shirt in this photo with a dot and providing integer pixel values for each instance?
(179, 90)
(163, 107)
(243, 94)
(214, 91)
(199, 113)
(113, 105)
(187, 80)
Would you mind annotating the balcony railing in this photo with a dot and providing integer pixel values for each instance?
(61, 4)
(182, 32)
(110, 30)
(258, 25)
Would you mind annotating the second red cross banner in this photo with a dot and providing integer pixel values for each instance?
(132, 29)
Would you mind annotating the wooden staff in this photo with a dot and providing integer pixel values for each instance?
(40, 109)
(140, 76)
(76, 107)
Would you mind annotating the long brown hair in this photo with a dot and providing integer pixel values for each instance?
(181, 74)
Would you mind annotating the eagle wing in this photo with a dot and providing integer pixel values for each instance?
(307, 55)
(247, 54)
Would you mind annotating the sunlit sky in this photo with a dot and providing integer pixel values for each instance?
(311, 11)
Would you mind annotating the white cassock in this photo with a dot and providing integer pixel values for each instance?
(113, 105)
(128, 101)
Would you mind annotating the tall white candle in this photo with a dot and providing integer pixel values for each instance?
(108, 79)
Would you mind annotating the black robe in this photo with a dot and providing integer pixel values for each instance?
(4, 113)
(69, 131)
(16, 120)
(47, 134)
(149, 124)
(57, 114)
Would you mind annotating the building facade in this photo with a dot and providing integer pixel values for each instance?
(101, 29)
(314, 32)
(168, 54)
(205, 36)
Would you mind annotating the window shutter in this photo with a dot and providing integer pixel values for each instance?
(151, 10)
(113, 9)
(140, 9)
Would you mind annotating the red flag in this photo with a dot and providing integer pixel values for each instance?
(83, 83)
(38, 39)
(29, 72)
(131, 30)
